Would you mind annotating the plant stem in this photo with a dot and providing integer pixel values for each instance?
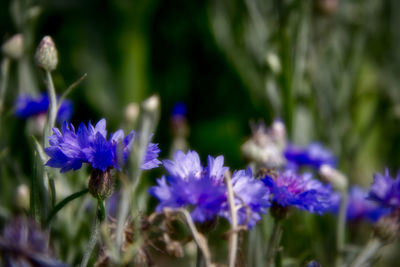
(233, 241)
(198, 238)
(5, 68)
(94, 234)
(53, 108)
(341, 229)
(274, 241)
(367, 253)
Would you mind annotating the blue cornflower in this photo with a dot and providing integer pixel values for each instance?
(190, 185)
(299, 190)
(359, 207)
(27, 106)
(313, 155)
(385, 190)
(202, 189)
(23, 244)
(69, 149)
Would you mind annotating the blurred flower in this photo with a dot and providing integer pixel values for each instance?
(190, 185)
(359, 207)
(69, 149)
(14, 47)
(265, 146)
(385, 190)
(23, 244)
(299, 190)
(27, 106)
(313, 155)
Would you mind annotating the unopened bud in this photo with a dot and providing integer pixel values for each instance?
(100, 183)
(46, 55)
(131, 112)
(333, 176)
(327, 7)
(388, 227)
(274, 63)
(22, 200)
(151, 104)
(14, 47)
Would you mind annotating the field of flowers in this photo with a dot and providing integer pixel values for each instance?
(199, 133)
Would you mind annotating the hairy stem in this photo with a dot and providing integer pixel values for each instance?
(53, 108)
(341, 229)
(274, 241)
(94, 234)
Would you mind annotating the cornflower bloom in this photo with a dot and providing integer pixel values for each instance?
(385, 190)
(299, 190)
(313, 155)
(23, 244)
(359, 207)
(28, 106)
(202, 189)
(69, 149)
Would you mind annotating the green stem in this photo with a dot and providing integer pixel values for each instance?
(94, 234)
(274, 242)
(5, 68)
(341, 229)
(367, 253)
(52, 106)
(64, 202)
(52, 187)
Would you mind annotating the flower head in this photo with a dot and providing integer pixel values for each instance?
(202, 189)
(313, 155)
(385, 190)
(23, 244)
(27, 106)
(299, 190)
(190, 185)
(359, 207)
(69, 149)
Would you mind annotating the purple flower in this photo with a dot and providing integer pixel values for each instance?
(190, 185)
(299, 190)
(69, 149)
(385, 190)
(27, 106)
(359, 207)
(314, 155)
(202, 189)
(251, 195)
(23, 244)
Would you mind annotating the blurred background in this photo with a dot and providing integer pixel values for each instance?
(327, 68)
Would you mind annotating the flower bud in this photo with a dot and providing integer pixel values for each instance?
(336, 178)
(131, 112)
(22, 198)
(151, 104)
(388, 227)
(100, 183)
(46, 55)
(14, 47)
